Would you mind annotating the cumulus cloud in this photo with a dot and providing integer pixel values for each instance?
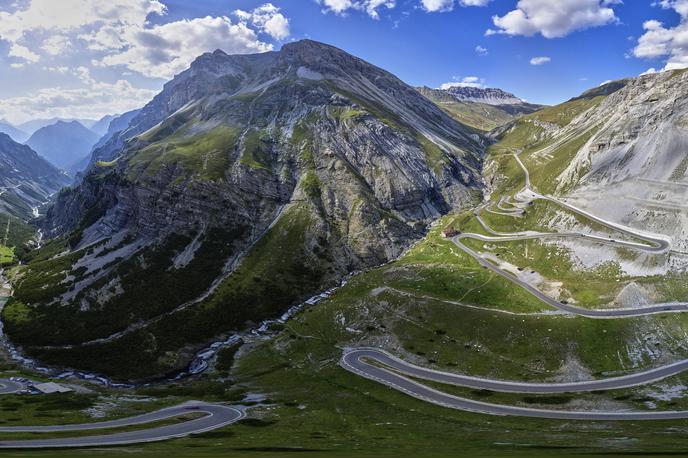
(22, 52)
(540, 60)
(554, 19)
(121, 32)
(670, 43)
(479, 50)
(681, 6)
(56, 45)
(468, 81)
(371, 7)
(268, 19)
(434, 6)
(164, 50)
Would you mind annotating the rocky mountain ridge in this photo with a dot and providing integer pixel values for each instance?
(488, 96)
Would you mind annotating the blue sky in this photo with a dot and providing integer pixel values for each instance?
(87, 58)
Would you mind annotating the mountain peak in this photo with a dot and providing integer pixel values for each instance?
(489, 96)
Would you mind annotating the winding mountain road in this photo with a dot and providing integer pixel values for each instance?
(667, 307)
(356, 357)
(354, 361)
(654, 244)
(216, 416)
(392, 371)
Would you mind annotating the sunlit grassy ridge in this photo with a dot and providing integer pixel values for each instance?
(205, 154)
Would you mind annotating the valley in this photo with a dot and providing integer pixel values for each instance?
(296, 252)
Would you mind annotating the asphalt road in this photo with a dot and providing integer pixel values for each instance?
(216, 416)
(356, 358)
(353, 361)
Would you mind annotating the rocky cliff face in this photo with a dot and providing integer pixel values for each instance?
(26, 179)
(302, 164)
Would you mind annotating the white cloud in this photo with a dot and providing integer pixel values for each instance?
(268, 19)
(681, 6)
(62, 70)
(554, 19)
(670, 43)
(93, 100)
(48, 18)
(371, 7)
(22, 52)
(56, 44)
(479, 50)
(649, 71)
(475, 2)
(80, 34)
(435, 6)
(468, 81)
(540, 60)
(164, 50)
(120, 33)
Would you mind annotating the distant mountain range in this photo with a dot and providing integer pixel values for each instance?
(17, 135)
(489, 96)
(481, 108)
(33, 125)
(101, 126)
(64, 143)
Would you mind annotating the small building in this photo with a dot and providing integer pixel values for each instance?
(450, 232)
(51, 387)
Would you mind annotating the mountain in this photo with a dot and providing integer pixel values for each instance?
(26, 179)
(16, 134)
(101, 126)
(488, 96)
(482, 109)
(618, 150)
(63, 143)
(116, 125)
(248, 184)
(30, 127)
